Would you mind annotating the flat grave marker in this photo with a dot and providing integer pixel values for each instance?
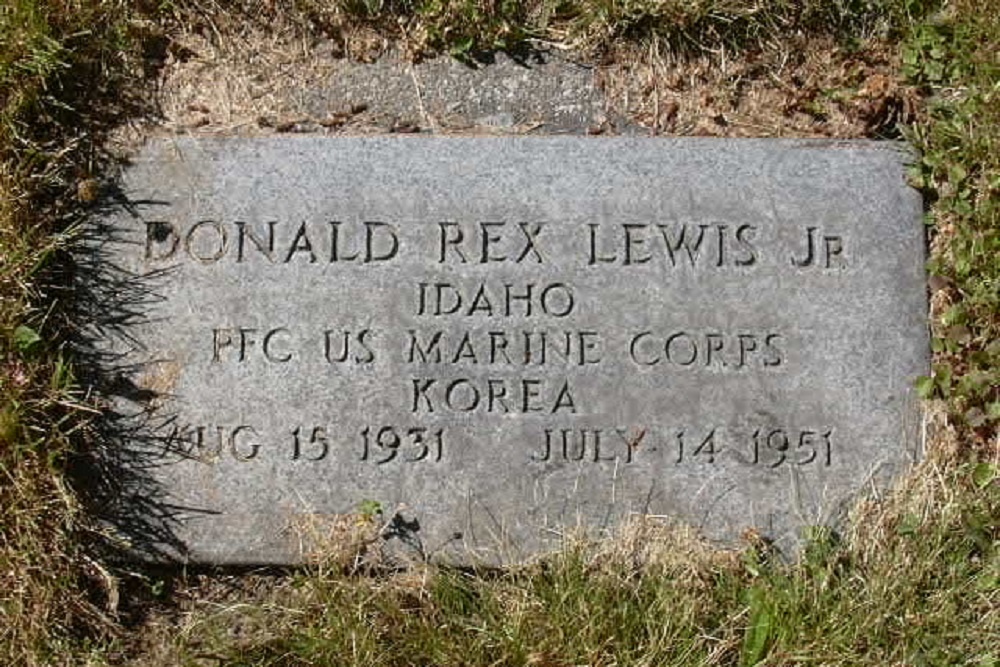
(499, 341)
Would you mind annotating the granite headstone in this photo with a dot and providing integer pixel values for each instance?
(490, 343)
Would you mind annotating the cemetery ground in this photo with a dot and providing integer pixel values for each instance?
(911, 578)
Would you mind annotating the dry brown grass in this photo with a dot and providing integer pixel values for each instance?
(246, 78)
(796, 88)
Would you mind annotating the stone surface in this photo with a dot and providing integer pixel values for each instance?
(482, 345)
(543, 93)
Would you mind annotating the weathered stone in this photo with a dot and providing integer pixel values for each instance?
(482, 344)
(544, 92)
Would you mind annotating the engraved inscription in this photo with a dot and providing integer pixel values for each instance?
(765, 447)
(701, 246)
(461, 369)
(506, 300)
(488, 242)
(273, 242)
(713, 348)
(826, 252)
(685, 446)
(691, 244)
(491, 395)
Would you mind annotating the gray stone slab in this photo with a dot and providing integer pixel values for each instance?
(543, 92)
(500, 341)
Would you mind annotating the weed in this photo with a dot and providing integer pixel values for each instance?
(954, 58)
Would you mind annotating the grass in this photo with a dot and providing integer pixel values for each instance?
(60, 65)
(914, 579)
(465, 27)
(960, 173)
(915, 584)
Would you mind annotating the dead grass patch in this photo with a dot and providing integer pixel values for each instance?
(252, 80)
(243, 80)
(797, 88)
